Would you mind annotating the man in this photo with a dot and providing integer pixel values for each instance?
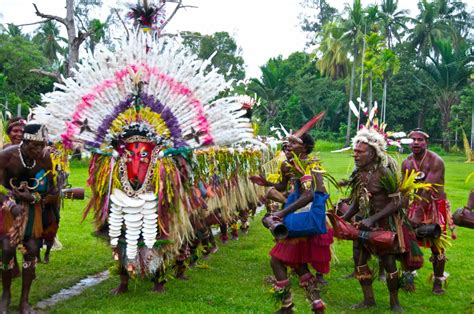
(432, 207)
(27, 186)
(314, 250)
(375, 208)
(14, 130)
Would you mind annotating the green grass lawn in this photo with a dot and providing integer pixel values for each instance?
(232, 281)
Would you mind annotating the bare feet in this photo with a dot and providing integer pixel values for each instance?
(46, 258)
(159, 287)
(25, 308)
(4, 304)
(364, 304)
(214, 249)
(122, 288)
(224, 239)
(182, 277)
(320, 279)
(396, 308)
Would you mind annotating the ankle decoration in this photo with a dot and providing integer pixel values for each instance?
(281, 294)
(9, 266)
(306, 279)
(29, 264)
(438, 257)
(281, 284)
(392, 275)
(318, 305)
(363, 272)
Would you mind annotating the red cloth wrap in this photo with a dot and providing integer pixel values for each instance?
(314, 250)
(436, 212)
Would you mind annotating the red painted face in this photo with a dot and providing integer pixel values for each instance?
(138, 160)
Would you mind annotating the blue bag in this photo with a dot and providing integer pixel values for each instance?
(309, 222)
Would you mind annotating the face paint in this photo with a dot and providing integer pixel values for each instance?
(138, 160)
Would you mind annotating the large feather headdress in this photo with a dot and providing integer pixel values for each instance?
(157, 84)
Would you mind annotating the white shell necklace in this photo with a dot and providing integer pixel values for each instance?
(23, 161)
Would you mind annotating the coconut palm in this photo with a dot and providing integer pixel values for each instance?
(355, 28)
(430, 26)
(448, 74)
(48, 38)
(334, 61)
(271, 87)
(394, 21)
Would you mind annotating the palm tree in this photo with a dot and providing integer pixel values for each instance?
(429, 27)
(355, 28)
(448, 74)
(390, 65)
(393, 22)
(334, 61)
(271, 87)
(13, 31)
(47, 37)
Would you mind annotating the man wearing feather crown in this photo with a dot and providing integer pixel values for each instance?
(378, 208)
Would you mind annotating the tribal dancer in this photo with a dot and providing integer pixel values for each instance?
(27, 185)
(432, 206)
(15, 131)
(377, 202)
(148, 111)
(299, 252)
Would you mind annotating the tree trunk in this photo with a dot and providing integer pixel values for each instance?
(349, 112)
(444, 101)
(472, 126)
(370, 94)
(73, 56)
(445, 122)
(384, 98)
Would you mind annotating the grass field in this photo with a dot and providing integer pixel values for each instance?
(232, 281)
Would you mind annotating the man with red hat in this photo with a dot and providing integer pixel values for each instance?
(431, 207)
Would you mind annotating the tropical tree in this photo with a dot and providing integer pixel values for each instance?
(390, 65)
(394, 21)
(448, 74)
(355, 26)
(271, 88)
(317, 13)
(48, 38)
(18, 55)
(430, 26)
(374, 67)
(334, 61)
(227, 56)
(12, 30)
